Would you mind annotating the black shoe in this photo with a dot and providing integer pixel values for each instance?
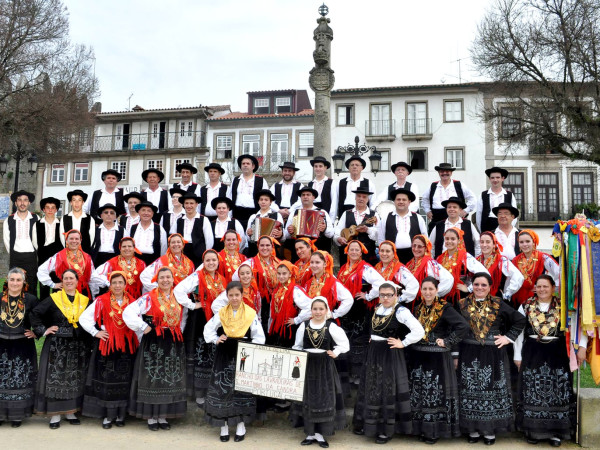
(153, 426)
(487, 441)
(120, 423)
(75, 421)
(555, 442)
(225, 438)
(359, 431)
(473, 440)
(307, 442)
(164, 425)
(54, 425)
(15, 423)
(429, 441)
(382, 440)
(323, 444)
(107, 426)
(239, 438)
(532, 441)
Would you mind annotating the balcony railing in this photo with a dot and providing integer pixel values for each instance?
(147, 141)
(380, 129)
(416, 129)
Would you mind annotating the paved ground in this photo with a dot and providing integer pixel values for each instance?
(193, 433)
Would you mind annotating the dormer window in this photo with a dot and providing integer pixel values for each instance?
(261, 106)
(283, 105)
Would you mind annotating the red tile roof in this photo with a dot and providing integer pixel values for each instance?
(245, 116)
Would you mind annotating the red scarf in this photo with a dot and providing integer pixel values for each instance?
(494, 267)
(531, 271)
(304, 273)
(326, 288)
(252, 297)
(390, 273)
(229, 264)
(181, 268)
(419, 271)
(166, 314)
(458, 268)
(282, 309)
(351, 276)
(84, 270)
(266, 276)
(134, 285)
(110, 314)
(209, 288)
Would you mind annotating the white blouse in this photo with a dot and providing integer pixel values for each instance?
(342, 345)
(132, 315)
(404, 317)
(210, 330)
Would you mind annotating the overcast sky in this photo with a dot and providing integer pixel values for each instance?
(191, 52)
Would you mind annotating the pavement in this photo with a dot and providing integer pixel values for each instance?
(192, 433)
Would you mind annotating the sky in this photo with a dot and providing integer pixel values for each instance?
(182, 53)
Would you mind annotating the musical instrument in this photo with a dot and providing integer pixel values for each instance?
(350, 232)
(306, 223)
(385, 208)
(263, 226)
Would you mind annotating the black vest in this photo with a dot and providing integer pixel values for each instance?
(86, 224)
(392, 188)
(95, 204)
(163, 203)
(12, 228)
(342, 193)
(395, 328)
(327, 343)
(97, 242)
(198, 242)
(325, 202)
(155, 243)
(362, 237)
(457, 188)
(485, 212)
(46, 252)
(293, 197)
(218, 245)
(190, 188)
(204, 196)
(391, 231)
(468, 237)
(258, 185)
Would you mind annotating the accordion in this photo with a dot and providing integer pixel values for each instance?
(306, 223)
(263, 226)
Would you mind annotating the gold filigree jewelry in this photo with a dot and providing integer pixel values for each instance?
(480, 315)
(316, 337)
(543, 324)
(428, 316)
(13, 311)
(380, 323)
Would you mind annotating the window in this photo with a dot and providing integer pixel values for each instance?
(251, 144)
(190, 128)
(416, 119)
(456, 157)
(279, 148)
(345, 115)
(154, 130)
(261, 106)
(81, 172)
(547, 196)
(582, 189)
(453, 111)
(58, 173)
(85, 136)
(510, 122)
(283, 104)
(182, 129)
(305, 144)
(385, 160)
(155, 164)
(380, 123)
(515, 184)
(418, 159)
(177, 162)
(121, 167)
(224, 147)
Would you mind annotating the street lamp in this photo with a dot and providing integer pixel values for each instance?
(356, 150)
(3, 165)
(33, 164)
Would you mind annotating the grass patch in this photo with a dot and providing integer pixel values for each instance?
(586, 377)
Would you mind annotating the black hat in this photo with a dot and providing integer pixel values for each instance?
(146, 172)
(214, 165)
(500, 170)
(355, 158)
(308, 189)
(176, 190)
(362, 190)
(133, 194)
(289, 165)
(445, 166)
(250, 157)
(459, 201)
(188, 166)
(15, 195)
(112, 172)
(408, 192)
(106, 206)
(53, 200)
(189, 196)
(215, 201)
(511, 208)
(266, 192)
(148, 204)
(320, 159)
(402, 164)
(79, 192)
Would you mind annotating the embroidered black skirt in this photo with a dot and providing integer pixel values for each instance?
(485, 401)
(383, 400)
(18, 373)
(63, 369)
(322, 409)
(434, 392)
(199, 355)
(224, 405)
(356, 326)
(547, 405)
(108, 384)
(158, 383)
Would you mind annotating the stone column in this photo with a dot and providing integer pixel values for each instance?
(39, 183)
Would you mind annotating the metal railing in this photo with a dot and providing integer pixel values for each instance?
(148, 141)
(416, 127)
(380, 127)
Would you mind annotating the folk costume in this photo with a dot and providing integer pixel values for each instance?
(150, 241)
(106, 242)
(18, 235)
(426, 266)
(46, 241)
(250, 296)
(132, 268)
(506, 278)
(368, 239)
(398, 273)
(243, 194)
(304, 273)
(229, 262)
(401, 230)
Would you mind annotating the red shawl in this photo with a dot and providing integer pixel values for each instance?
(181, 268)
(252, 297)
(134, 285)
(327, 288)
(304, 274)
(209, 289)
(457, 269)
(85, 272)
(167, 316)
(282, 309)
(227, 267)
(352, 277)
(495, 270)
(390, 273)
(266, 281)
(120, 337)
(530, 272)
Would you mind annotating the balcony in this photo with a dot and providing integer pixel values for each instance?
(147, 141)
(380, 130)
(416, 129)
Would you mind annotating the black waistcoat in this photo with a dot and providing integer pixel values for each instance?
(85, 225)
(198, 242)
(391, 231)
(46, 252)
(258, 185)
(155, 243)
(95, 204)
(325, 202)
(204, 196)
(392, 188)
(342, 193)
(457, 188)
(293, 197)
(12, 229)
(118, 236)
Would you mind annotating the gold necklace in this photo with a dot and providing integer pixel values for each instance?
(380, 323)
(316, 337)
(12, 311)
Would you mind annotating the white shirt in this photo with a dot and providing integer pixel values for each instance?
(195, 191)
(145, 238)
(318, 186)
(131, 221)
(414, 206)
(77, 226)
(403, 316)
(188, 226)
(403, 226)
(302, 302)
(457, 224)
(107, 238)
(445, 278)
(507, 242)
(495, 200)
(352, 185)
(104, 199)
(154, 196)
(342, 344)
(132, 315)
(444, 193)
(358, 217)
(245, 192)
(286, 192)
(327, 233)
(210, 330)
(374, 278)
(514, 278)
(50, 232)
(410, 283)
(211, 193)
(173, 217)
(23, 242)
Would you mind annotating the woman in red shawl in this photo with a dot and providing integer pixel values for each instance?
(459, 263)
(506, 278)
(391, 269)
(532, 263)
(180, 265)
(304, 249)
(230, 257)
(423, 265)
(106, 391)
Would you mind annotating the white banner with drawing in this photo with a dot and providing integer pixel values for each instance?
(270, 371)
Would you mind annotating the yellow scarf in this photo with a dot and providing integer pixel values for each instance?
(71, 311)
(236, 327)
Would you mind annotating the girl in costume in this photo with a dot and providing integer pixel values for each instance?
(230, 257)
(180, 265)
(424, 265)
(391, 269)
(506, 278)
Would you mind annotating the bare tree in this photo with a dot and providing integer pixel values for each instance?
(543, 56)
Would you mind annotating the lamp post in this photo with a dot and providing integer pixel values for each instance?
(356, 150)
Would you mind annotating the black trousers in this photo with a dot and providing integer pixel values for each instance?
(29, 263)
(405, 254)
(438, 216)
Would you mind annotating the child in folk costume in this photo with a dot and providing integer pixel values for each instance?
(251, 296)
(111, 366)
(304, 249)
(230, 257)
(424, 265)
(391, 269)
(322, 410)
(499, 266)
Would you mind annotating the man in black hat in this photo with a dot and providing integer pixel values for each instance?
(244, 188)
(154, 194)
(442, 190)
(195, 229)
(187, 171)
(402, 170)
(454, 208)
(79, 220)
(213, 189)
(364, 219)
(506, 233)
(326, 187)
(224, 222)
(110, 193)
(265, 199)
(168, 219)
(46, 235)
(18, 233)
(132, 217)
(150, 238)
(108, 236)
(401, 225)
(347, 186)
(286, 190)
(325, 227)
(496, 194)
